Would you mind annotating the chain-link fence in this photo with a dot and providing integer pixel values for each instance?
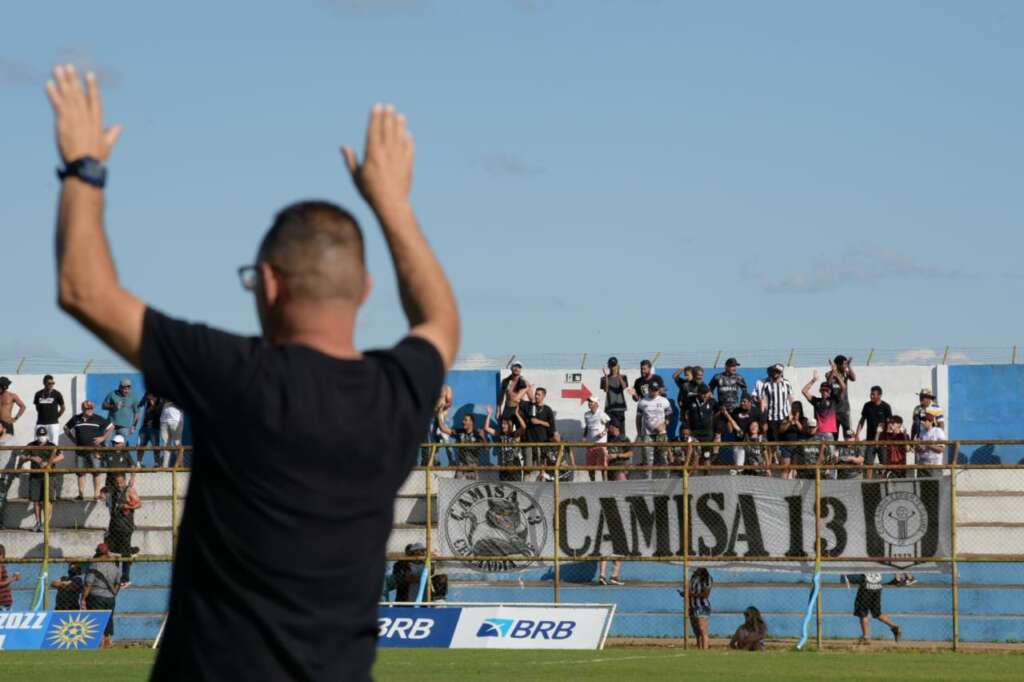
(805, 537)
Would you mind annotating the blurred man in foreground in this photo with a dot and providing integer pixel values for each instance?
(278, 567)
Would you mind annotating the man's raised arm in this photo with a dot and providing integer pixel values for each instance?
(384, 178)
(86, 277)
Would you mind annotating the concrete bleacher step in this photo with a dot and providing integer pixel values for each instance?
(81, 542)
(71, 514)
(147, 483)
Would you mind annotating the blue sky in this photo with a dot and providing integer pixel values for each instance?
(602, 174)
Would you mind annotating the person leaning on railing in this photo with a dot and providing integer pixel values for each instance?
(930, 451)
(88, 429)
(40, 460)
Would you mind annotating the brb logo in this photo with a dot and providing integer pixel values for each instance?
(527, 629)
(405, 628)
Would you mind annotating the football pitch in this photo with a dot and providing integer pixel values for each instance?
(426, 665)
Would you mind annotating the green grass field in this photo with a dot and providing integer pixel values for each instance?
(594, 666)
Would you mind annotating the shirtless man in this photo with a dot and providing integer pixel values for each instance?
(8, 399)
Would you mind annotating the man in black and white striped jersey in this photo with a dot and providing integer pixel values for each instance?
(776, 395)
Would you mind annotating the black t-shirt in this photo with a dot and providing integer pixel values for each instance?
(151, 417)
(46, 455)
(841, 395)
(282, 544)
(68, 597)
(535, 433)
(700, 419)
(874, 416)
(616, 395)
(643, 385)
(730, 389)
(48, 403)
(687, 393)
(87, 429)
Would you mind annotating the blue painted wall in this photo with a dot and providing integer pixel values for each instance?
(986, 402)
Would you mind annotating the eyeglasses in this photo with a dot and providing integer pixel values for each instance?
(248, 275)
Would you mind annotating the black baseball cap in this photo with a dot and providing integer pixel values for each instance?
(4, 382)
(732, 362)
(41, 431)
(656, 381)
(613, 361)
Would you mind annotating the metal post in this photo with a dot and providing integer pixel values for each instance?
(871, 355)
(557, 524)
(654, 362)
(789, 361)
(686, 552)
(1013, 356)
(945, 355)
(46, 528)
(952, 546)
(583, 362)
(430, 510)
(181, 456)
(85, 370)
(174, 511)
(20, 365)
(817, 539)
(718, 356)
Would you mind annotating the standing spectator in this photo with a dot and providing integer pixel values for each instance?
(753, 453)
(930, 451)
(8, 399)
(647, 383)
(435, 435)
(734, 425)
(825, 409)
(794, 429)
(69, 589)
(927, 405)
(852, 454)
(88, 429)
(700, 422)
(512, 389)
(468, 433)
(152, 407)
(775, 394)
(101, 587)
(619, 454)
(730, 385)
(868, 602)
(895, 455)
(750, 636)
(49, 408)
(172, 426)
(615, 384)
(540, 427)
(682, 378)
(38, 461)
(874, 414)
(117, 457)
(124, 500)
(688, 389)
(700, 605)
(654, 412)
(6, 596)
(595, 430)
(121, 409)
(840, 374)
(509, 452)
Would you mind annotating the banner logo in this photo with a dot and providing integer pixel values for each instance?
(495, 627)
(496, 520)
(74, 631)
(901, 519)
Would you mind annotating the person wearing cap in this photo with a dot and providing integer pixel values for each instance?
(595, 430)
(688, 390)
(729, 385)
(926, 405)
(102, 583)
(8, 400)
(826, 422)
(116, 457)
(38, 461)
(122, 410)
(776, 396)
(701, 418)
(87, 429)
(654, 412)
(123, 501)
(49, 403)
(512, 389)
(930, 451)
(615, 384)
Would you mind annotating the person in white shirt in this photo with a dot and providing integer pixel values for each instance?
(654, 412)
(930, 452)
(595, 430)
(172, 425)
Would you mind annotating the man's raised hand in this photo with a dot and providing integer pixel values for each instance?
(385, 174)
(78, 114)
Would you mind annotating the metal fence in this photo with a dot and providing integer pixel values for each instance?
(547, 533)
(534, 533)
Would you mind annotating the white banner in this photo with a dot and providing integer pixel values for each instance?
(532, 627)
(900, 522)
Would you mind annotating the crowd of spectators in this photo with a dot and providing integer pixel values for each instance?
(722, 424)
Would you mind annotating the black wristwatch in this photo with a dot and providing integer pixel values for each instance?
(88, 169)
